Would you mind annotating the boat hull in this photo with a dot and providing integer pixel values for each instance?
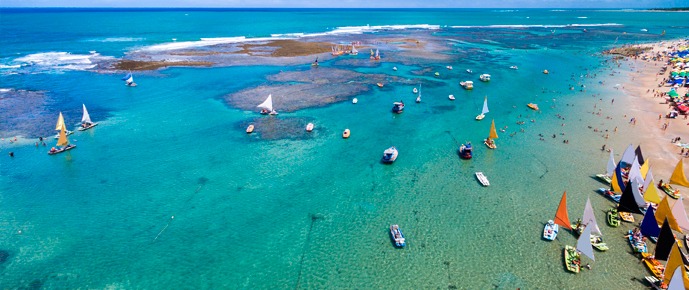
(572, 259)
(490, 145)
(613, 219)
(88, 127)
(250, 129)
(550, 231)
(482, 179)
(397, 236)
(669, 190)
(63, 149)
(345, 134)
(604, 177)
(653, 265)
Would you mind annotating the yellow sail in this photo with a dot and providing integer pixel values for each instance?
(651, 194)
(62, 141)
(645, 167)
(664, 212)
(674, 261)
(614, 183)
(678, 176)
(60, 123)
(493, 134)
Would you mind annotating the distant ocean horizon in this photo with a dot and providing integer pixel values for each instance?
(169, 191)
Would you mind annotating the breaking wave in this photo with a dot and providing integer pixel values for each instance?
(58, 61)
(543, 25)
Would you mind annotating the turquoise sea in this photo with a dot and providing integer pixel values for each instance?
(169, 192)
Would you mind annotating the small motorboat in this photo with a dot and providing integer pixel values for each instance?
(355, 100)
(470, 71)
(398, 107)
(415, 90)
(467, 85)
(484, 77)
(465, 151)
(449, 67)
(451, 97)
(437, 74)
(482, 178)
(394, 68)
(397, 236)
(390, 155)
(380, 85)
(345, 134)
(250, 129)
(532, 106)
(514, 67)
(309, 127)
(545, 71)
(550, 230)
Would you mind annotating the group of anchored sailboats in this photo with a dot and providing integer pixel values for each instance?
(62, 140)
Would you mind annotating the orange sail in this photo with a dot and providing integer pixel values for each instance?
(678, 176)
(561, 216)
(664, 212)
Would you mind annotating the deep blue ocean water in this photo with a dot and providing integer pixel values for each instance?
(312, 211)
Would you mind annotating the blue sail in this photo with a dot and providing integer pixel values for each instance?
(129, 75)
(649, 226)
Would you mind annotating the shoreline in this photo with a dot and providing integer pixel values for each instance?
(650, 111)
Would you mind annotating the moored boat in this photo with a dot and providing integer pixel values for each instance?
(653, 265)
(449, 67)
(309, 127)
(572, 259)
(451, 97)
(129, 80)
(355, 100)
(493, 134)
(482, 178)
(532, 106)
(637, 243)
(669, 190)
(397, 236)
(414, 90)
(598, 244)
(627, 217)
(545, 71)
(394, 68)
(390, 155)
(550, 230)
(604, 177)
(465, 151)
(380, 85)
(345, 134)
(418, 97)
(484, 77)
(609, 194)
(398, 107)
(470, 71)
(467, 85)
(514, 67)
(250, 129)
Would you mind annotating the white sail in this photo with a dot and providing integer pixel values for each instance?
(611, 164)
(85, 118)
(267, 104)
(354, 51)
(377, 53)
(649, 180)
(584, 243)
(485, 106)
(589, 218)
(677, 280)
(680, 214)
(635, 171)
(638, 197)
(130, 79)
(628, 156)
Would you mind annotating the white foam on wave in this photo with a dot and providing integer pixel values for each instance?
(4, 66)
(5, 90)
(240, 39)
(117, 39)
(582, 17)
(60, 60)
(541, 25)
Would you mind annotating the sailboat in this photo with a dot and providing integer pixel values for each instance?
(267, 106)
(561, 219)
(86, 122)
(678, 178)
(418, 98)
(61, 125)
(484, 111)
(610, 169)
(376, 55)
(354, 51)
(62, 143)
(315, 63)
(492, 135)
(129, 80)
